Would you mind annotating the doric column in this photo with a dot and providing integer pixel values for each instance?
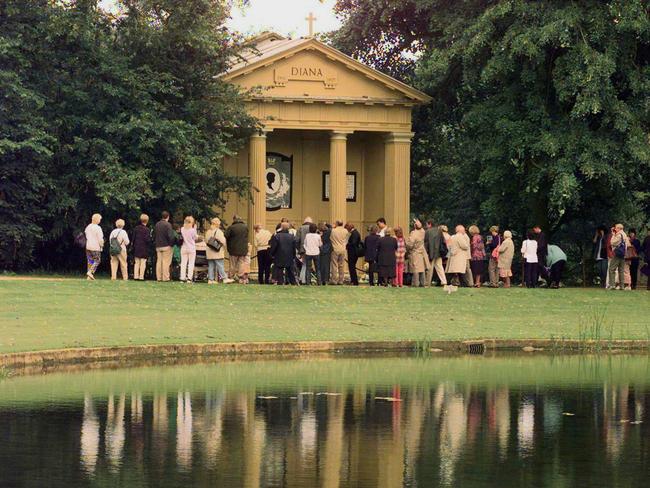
(257, 174)
(397, 179)
(338, 170)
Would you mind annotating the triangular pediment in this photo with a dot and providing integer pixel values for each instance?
(307, 69)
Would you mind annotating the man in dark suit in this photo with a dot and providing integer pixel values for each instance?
(283, 251)
(432, 246)
(353, 246)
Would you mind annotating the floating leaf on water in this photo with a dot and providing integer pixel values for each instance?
(568, 414)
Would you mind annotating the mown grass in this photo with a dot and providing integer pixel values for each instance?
(43, 314)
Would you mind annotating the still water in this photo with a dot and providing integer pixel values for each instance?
(462, 421)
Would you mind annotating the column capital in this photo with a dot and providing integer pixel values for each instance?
(340, 135)
(261, 133)
(397, 137)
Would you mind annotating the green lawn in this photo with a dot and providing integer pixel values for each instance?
(44, 314)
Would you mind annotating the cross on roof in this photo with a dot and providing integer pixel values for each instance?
(311, 20)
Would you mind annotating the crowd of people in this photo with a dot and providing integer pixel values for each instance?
(317, 253)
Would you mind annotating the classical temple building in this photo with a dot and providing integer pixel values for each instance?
(335, 140)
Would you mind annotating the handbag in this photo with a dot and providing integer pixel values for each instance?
(495, 252)
(80, 240)
(213, 243)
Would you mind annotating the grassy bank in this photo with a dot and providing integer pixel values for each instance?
(38, 314)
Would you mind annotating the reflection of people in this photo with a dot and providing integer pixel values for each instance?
(89, 436)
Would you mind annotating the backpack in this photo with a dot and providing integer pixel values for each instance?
(80, 240)
(620, 249)
(115, 247)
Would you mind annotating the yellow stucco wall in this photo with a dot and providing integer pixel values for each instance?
(310, 151)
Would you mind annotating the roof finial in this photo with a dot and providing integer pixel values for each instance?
(311, 20)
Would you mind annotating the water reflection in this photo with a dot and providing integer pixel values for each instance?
(442, 434)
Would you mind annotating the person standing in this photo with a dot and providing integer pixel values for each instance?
(141, 243)
(283, 251)
(418, 261)
(215, 252)
(530, 256)
(370, 253)
(353, 247)
(493, 254)
(618, 246)
(118, 240)
(237, 244)
(164, 240)
(556, 261)
(301, 233)
(262, 244)
(459, 251)
(542, 251)
(600, 254)
(477, 255)
(339, 238)
(188, 249)
(325, 231)
(400, 257)
(506, 253)
(94, 245)
(381, 226)
(312, 244)
(432, 247)
(386, 260)
(645, 247)
(634, 252)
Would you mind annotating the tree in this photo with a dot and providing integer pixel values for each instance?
(541, 109)
(25, 146)
(131, 114)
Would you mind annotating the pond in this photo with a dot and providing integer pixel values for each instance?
(327, 421)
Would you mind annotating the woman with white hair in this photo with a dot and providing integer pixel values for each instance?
(118, 240)
(94, 245)
(506, 253)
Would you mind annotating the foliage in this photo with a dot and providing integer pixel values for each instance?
(115, 115)
(541, 110)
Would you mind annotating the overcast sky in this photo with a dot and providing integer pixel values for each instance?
(282, 16)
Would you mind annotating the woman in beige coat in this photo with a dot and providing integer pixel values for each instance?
(215, 258)
(418, 261)
(506, 253)
(459, 254)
